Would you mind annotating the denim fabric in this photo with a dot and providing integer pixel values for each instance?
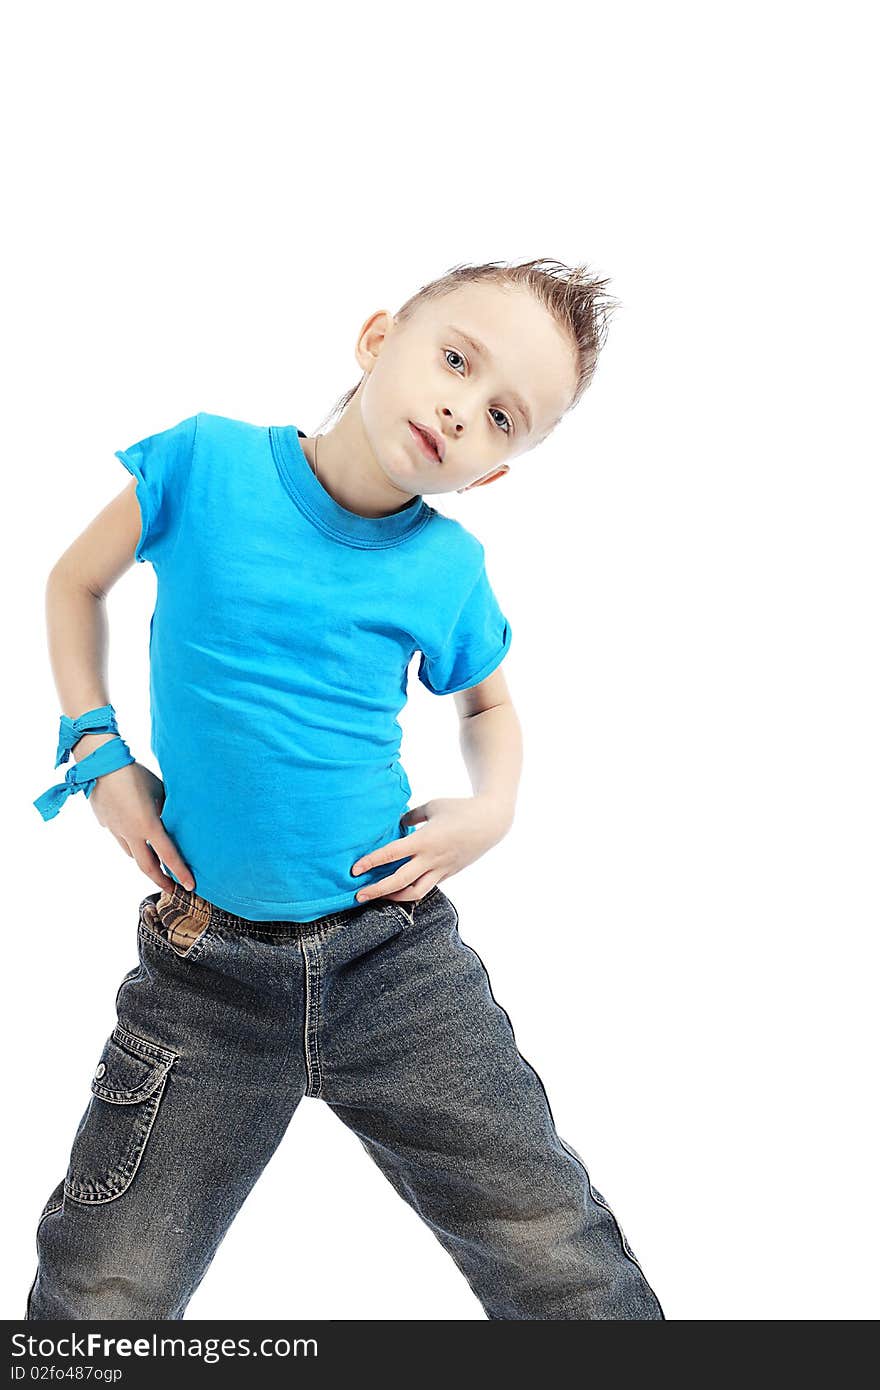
(383, 1012)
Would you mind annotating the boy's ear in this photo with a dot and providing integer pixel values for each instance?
(489, 478)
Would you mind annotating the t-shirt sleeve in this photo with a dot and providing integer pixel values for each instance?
(161, 463)
(477, 643)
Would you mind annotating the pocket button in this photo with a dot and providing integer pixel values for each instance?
(100, 1071)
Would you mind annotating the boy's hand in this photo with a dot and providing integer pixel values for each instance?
(457, 831)
(128, 802)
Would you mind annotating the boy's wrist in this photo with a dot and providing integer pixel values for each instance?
(88, 743)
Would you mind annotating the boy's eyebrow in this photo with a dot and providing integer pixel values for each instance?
(482, 351)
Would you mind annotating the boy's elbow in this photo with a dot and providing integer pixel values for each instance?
(57, 576)
(65, 578)
(61, 575)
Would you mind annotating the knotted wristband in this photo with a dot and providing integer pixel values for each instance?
(82, 775)
(101, 720)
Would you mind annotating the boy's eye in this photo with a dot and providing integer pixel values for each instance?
(452, 352)
(504, 418)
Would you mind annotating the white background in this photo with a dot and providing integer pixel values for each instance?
(204, 203)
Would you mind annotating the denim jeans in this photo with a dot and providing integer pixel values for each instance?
(383, 1012)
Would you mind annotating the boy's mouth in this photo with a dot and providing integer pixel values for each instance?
(430, 443)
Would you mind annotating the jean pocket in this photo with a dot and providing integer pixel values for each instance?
(127, 1089)
(179, 919)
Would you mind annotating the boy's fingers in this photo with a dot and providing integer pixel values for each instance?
(147, 861)
(415, 891)
(384, 854)
(383, 886)
(167, 850)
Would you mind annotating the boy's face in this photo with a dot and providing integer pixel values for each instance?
(486, 408)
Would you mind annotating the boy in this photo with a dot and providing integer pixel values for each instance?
(299, 943)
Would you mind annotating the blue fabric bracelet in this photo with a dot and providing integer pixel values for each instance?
(101, 720)
(82, 776)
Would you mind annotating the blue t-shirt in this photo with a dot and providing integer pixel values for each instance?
(280, 642)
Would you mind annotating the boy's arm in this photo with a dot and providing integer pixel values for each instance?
(457, 830)
(490, 737)
(76, 617)
(127, 801)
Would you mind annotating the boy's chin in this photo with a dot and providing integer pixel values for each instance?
(407, 479)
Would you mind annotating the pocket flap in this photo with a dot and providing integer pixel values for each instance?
(130, 1068)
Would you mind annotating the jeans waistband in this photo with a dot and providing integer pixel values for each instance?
(194, 905)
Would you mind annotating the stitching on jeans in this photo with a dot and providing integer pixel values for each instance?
(149, 1049)
(134, 1095)
(419, 902)
(623, 1240)
(281, 934)
(132, 1161)
(600, 1201)
(79, 1192)
(318, 1017)
(159, 1061)
(306, 1011)
(284, 931)
(47, 1211)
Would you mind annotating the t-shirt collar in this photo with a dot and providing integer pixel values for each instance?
(325, 512)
